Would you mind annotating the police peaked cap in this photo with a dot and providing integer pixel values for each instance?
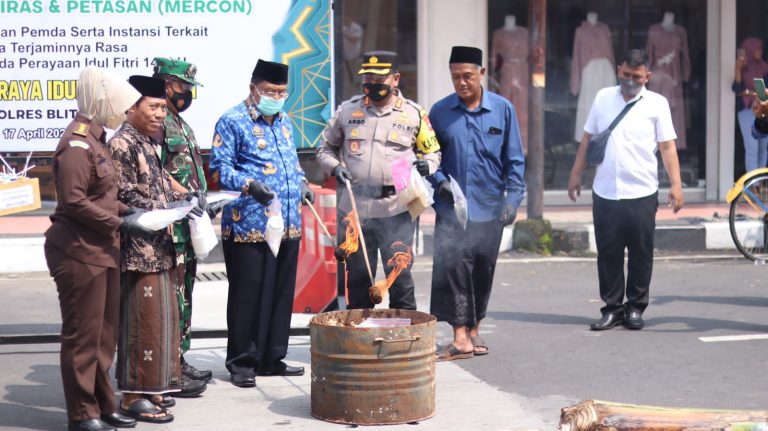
(379, 63)
(180, 69)
(148, 86)
(274, 73)
(466, 54)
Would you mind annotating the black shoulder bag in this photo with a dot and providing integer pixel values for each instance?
(597, 143)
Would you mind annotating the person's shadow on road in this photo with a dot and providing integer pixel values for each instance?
(38, 405)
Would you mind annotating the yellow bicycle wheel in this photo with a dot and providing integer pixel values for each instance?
(748, 219)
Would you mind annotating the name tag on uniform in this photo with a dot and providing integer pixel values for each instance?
(494, 131)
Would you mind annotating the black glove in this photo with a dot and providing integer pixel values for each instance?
(508, 215)
(422, 166)
(201, 202)
(342, 174)
(307, 193)
(260, 191)
(215, 208)
(444, 191)
(130, 224)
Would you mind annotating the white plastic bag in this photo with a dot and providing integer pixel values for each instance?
(275, 226)
(417, 196)
(159, 219)
(459, 203)
(203, 236)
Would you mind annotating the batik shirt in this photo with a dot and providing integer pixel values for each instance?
(142, 184)
(246, 147)
(180, 156)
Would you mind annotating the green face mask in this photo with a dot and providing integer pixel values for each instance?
(269, 106)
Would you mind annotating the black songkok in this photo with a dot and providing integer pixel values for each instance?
(274, 73)
(148, 86)
(466, 54)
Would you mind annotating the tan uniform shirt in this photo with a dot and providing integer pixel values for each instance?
(367, 139)
(86, 218)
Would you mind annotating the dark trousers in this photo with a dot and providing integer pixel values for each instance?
(624, 224)
(380, 234)
(463, 268)
(89, 298)
(261, 288)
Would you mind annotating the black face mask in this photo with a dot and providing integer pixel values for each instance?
(181, 101)
(376, 92)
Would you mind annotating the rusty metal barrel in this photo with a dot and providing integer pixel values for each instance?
(372, 376)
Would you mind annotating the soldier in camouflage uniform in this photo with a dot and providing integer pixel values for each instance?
(180, 156)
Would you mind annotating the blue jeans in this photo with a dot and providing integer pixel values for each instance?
(755, 150)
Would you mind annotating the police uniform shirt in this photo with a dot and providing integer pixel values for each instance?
(482, 151)
(368, 139)
(245, 149)
(85, 222)
(630, 168)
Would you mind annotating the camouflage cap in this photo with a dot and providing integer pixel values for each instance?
(178, 68)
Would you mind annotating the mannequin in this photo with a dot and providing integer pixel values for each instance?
(592, 67)
(509, 60)
(667, 49)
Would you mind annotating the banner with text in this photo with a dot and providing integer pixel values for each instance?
(45, 44)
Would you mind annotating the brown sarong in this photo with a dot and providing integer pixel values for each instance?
(148, 345)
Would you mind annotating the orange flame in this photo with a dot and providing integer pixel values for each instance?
(351, 242)
(400, 260)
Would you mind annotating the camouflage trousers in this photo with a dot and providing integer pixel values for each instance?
(186, 269)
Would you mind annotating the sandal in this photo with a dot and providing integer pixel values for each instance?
(165, 402)
(142, 408)
(450, 352)
(477, 341)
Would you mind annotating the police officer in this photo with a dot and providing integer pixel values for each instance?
(366, 134)
(180, 156)
(82, 249)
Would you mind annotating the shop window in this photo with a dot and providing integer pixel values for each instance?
(368, 25)
(751, 16)
(584, 40)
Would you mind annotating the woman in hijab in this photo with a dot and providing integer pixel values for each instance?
(82, 249)
(750, 65)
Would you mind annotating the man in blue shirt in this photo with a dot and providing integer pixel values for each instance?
(480, 140)
(253, 152)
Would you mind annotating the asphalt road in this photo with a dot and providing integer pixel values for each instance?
(543, 351)
(543, 356)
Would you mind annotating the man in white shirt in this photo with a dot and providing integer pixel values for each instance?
(626, 186)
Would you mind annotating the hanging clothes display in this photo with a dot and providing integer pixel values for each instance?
(592, 68)
(509, 57)
(667, 49)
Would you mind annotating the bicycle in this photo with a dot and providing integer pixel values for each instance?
(748, 215)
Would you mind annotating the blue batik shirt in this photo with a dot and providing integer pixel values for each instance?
(482, 151)
(246, 147)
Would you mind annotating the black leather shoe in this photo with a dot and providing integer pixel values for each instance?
(190, 388)
(283, 369)
(634, 321)
(193, 373)
(89, 425)
(119, 421)
(608, 321)
(243, 381)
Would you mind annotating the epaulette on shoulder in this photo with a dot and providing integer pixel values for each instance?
(414, 105)
(81, 129)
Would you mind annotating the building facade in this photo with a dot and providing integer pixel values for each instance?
(692, 43)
